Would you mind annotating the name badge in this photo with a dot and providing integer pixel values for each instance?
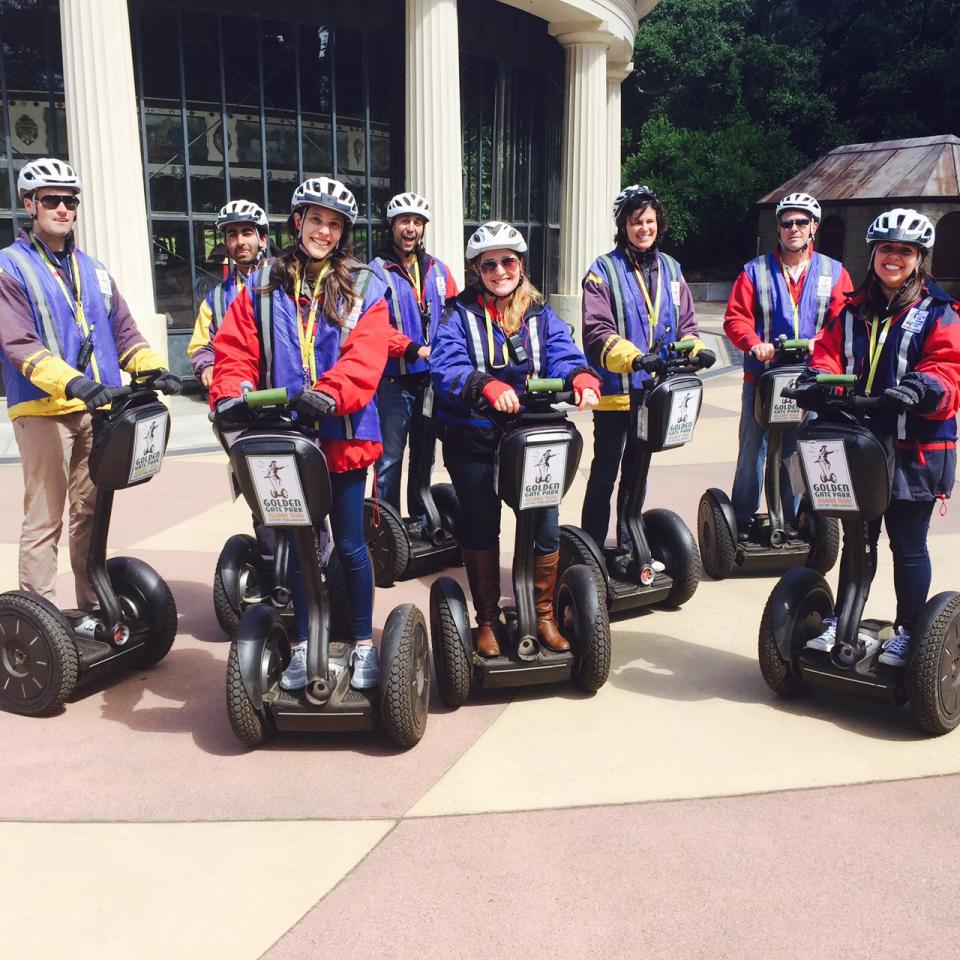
(441, 288)
(824, 286)
(675, 291)
(103, 278)
(914, 321)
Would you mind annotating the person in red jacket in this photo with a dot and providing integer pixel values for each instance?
(324, 317)
(899, 333)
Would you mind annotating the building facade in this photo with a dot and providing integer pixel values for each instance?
(168, 108)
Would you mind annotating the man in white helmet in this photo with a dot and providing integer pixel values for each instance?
(246, 235)
(788, 291)
(418, 285)
(66, 335)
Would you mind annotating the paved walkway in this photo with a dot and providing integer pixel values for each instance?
(682, 812)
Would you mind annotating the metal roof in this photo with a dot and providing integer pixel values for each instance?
(925, 168)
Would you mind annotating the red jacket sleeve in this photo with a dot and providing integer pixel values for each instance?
(941, 360)
(452, 288)
(739, 321)
(352, 381)
(397, 346)
(827, 346)
(838, 298)
(236, 351)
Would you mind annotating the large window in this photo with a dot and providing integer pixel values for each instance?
(246, 100)
(511, 81)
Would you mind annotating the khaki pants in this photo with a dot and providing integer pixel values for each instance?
(54, 453)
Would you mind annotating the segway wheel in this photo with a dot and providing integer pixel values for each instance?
(447, 504)
(583, 619)
(250, 726)
(575, 547)
(823, 535)
(672, 543)
(405, 687)
(387, 542)
(450, 638)
(145, 596)
(39, 663)
(794, 614)
(717, 547)
(933, 671)
(243, 552)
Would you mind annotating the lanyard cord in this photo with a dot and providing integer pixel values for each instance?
(490, 344)
(794, 303)
(653, 309)
(876, 348)
(308, 334)
(416, 281)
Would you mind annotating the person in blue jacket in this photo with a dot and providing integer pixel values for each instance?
(493, 337)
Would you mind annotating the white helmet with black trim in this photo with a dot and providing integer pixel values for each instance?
(637, 191)
(799, 201)
(903, 226)
(46, 172)
(409, 203)
(325, 192)
(242, 211)
(495, 235)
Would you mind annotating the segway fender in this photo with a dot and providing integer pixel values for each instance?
(588, 543)
(793, 586)
(234, 554)
(47, 605)
(390, 638)
(726, 508)
(133, 570)
(253, 632)
(457, 605)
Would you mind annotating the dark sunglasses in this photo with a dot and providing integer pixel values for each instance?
(53, 200)
(508, 264)
(797, 221)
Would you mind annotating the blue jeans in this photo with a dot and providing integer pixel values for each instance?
(748, 478)
(611, 453)
(479, 525)
(398, 403)
(346, 522)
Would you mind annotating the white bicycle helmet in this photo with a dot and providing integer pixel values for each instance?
(242, 211)
(903, 226)
(404, 203)
(799, 201)
(325, 192)
(46, 172)
(495, 235)
(635, 192)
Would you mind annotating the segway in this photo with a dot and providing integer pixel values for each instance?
(283, 476)
(661, 564)
(815, 541)
(537, 459)
(845, 471)
(45, 652)
(406, 547)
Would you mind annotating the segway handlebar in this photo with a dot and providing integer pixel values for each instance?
(277, 397)
(656, 365)
(843, 401)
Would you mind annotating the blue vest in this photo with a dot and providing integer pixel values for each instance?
(221, 297)
(773, 307)
(630, 311)
(278, 324)
(54, 317)
(405, 310)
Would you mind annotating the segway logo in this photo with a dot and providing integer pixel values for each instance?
(544, 468)
(827, 475)
(279, 491)
(684, 408)
(782, 409)
(149, 439)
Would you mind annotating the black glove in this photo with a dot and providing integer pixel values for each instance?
(93, 394)
(810, 395)
(706, 359)
(232, 410)
(907, 394)
(168, 383)
(648, 362)
(311, 406)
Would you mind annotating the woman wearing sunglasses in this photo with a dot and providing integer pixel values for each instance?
(493, 337)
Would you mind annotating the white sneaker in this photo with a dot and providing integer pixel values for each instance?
(894, 653)
(365, 661)
(658, 566)
(295, 676)
(827, 639)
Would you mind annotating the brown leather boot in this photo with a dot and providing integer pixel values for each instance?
(483, 575)
(545, 586)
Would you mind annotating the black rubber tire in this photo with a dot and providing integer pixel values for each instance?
(823, 535)
(450, 661)
(405, 690)
(144, 594)
(387, 544)
(802, 598)
(448, 505)
(717, 548)
(228, 609)
(574, 549)
(933, 671)
(250, 727)
(672, 543)
(583, 620)
(23, 622)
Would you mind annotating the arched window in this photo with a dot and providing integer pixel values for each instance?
(830, 237)
(946, 249)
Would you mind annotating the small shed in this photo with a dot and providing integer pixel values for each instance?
(855, 183)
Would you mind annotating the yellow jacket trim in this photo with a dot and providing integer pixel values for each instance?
(620, 356)
(141, 357)
(201, 329)
(46, 407)
(51, 374)
(613, 401)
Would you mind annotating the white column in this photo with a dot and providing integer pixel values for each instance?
(616, 74)
(434, 147)
(104, 144)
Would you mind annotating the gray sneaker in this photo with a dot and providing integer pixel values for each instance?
(365, 661)
(894, 653)
(295, 676)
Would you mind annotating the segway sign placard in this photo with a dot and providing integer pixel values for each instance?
(783, 409)
(828, 475)
(279, 491)
(149, 440)
(544, 468)
(684, 407)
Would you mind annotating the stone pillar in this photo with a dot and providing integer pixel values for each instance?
(104, 142)
(434, 146)
(616, 74)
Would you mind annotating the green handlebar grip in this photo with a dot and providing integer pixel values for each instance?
(682, 346)
(796, 344)
(836, 379)
(266, 398)
(545, 385)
